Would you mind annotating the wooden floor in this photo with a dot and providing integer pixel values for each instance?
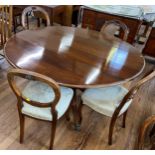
(94, 129)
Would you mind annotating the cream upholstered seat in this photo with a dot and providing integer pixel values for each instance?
(106, 100)
(41, 92)
(1, 52)
(112, 101)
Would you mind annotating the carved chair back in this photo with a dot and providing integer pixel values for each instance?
(32, 76)
(34, 10)
(116, 23)
(5, 23)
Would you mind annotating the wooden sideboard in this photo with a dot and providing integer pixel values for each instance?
(95, 19)
(149, 48)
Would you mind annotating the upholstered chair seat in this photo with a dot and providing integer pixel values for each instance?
(106, 100)
(1, 53)
(41, 92)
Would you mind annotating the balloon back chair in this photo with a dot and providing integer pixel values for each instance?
(112, 26)
(41, 98)
(112, 101)
(37, 12)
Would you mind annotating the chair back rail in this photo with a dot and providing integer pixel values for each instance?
(119, 24)
(5, 23)
(34, 77)
(34, 9)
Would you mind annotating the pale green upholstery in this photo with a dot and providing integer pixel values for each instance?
(105, 100)
(41, 92)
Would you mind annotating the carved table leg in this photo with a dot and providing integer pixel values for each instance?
(76, 107)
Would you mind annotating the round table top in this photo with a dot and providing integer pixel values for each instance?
(75, 57)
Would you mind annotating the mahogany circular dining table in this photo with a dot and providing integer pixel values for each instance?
(75, 57)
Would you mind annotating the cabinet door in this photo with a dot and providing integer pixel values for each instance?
(88, 20)
(149, 48)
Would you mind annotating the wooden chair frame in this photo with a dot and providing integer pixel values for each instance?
(130, 95)
(117, 23)
(146, 124)
(5, 23)
(20, 98)
(34, 9)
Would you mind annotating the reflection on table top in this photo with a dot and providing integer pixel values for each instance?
(75, 57)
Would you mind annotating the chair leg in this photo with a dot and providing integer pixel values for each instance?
(14, 24)
(142, 135)
(38, 22)
(124, 119)
(27, 20)
(111, 128)
(152, 131)
(80, 112)
(53, 131)
(67, 114)
(22, 124)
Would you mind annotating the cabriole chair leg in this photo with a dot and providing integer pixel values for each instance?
(111, 128)
(67, 115)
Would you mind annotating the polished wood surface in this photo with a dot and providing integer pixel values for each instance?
(94, 20)
(75, 57)
(94, 129)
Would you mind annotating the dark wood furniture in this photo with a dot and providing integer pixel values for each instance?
(121, 27)
(75, 14)
(21, 99)
(38, 11)
(94, 19)
(149, 48)
(55, 12)
(75, 57)
(17, 13)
